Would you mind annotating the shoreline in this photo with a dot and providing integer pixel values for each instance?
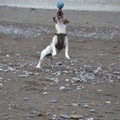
(96, 5)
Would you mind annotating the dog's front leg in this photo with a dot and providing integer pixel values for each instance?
(66, 48)
(54, 41)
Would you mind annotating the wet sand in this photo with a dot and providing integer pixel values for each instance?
(87, 85)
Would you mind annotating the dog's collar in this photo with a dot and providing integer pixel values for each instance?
(61, 34)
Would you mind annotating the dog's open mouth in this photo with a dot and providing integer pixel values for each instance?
(60, 14)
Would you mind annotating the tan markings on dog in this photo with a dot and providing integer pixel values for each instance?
(54, 20)
(65, 21)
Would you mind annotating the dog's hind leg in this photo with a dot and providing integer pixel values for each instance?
(39, 64)
(44, 53)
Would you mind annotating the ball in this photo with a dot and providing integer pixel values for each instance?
(60, 4)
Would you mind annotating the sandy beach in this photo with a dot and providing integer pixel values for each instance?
(87, 86)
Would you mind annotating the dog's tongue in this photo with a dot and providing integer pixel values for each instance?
(60, 14)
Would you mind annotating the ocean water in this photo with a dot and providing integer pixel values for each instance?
(88, 5)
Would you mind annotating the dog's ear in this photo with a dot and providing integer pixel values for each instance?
(54, 19)
(65, 21)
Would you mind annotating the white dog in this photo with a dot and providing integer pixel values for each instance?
(60, 41)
